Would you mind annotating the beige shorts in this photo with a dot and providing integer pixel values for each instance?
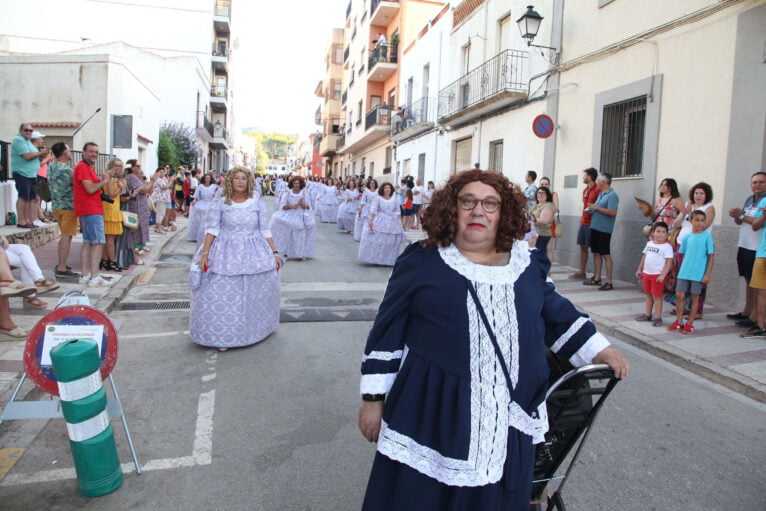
(67, 221)
(758, 279)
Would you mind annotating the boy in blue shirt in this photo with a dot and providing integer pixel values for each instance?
(699, 255)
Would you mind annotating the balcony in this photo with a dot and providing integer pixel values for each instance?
(344, 97)
(218, 98)
(219, 140)
(318, 115)
(348, 10)
(222, 17)
(414, 119)
(497, 83)
(381, 64)
(383, 11)
(353, 33)
(329, 145)
(204, 126)
(340, 142)
(345, 53)
(376, 126)
(221, 57)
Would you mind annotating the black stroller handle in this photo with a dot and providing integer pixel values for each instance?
(595, 372)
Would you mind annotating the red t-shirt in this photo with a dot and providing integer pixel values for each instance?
(84, 203)
(589, 195)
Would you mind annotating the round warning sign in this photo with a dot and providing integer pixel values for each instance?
(61, 325)
(543, 126)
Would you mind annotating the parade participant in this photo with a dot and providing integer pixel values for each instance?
(427, 198)
(203, 197)
(384, 233)
(456, 420)
(292, 224)
(349, 206)
(234, 276)
(363, 215)
(112, 215)
(327, 202)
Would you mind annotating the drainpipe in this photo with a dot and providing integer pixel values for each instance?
(557, 30)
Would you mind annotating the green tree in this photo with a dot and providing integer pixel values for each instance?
(166, 150)
(184, 141)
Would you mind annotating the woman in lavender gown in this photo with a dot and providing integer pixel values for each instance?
(364, 208)
(203, 196)
(312, 187)
(234, 277)
(327, 202)
(384, 233)
(348, 209)
(292, 224)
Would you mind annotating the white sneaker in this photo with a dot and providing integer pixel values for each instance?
(99, 282)
(84, 279)
(39, 223)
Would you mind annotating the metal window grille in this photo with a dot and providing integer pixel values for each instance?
(622, 137)
(496, 156)
(462, 155)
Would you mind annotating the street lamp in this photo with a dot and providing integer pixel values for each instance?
(529, 24)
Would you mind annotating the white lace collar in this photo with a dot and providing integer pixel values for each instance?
(506, 274)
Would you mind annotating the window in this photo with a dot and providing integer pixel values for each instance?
(336, 88)
(503, 33)
(392, 99)
(622, 137)
(338, 54)
(461, 155)
(359, 113)
(372, 168)
(426, 80)
(422, 166)
(465, 54)
(406, 168)
(496, 156)
(408, 90)
(364, 162)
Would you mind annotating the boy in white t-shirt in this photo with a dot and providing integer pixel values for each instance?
(653, 268)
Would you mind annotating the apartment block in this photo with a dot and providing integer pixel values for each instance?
(328, 114)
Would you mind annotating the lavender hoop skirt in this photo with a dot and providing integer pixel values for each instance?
(294, 232)
(228, 311)
(380, 247)
(346, 218)
(327, 212)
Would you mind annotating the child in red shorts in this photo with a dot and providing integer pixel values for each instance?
(653, 268)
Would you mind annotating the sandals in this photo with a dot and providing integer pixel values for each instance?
(591, 282)
(644, 317)
(33, 302)
(657, 322)
(12, 334)
(607, 286)
(45, 285)
(13, 288)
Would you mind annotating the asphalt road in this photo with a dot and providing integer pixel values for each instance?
(273, 426)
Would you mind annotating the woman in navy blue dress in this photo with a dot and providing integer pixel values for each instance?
(454, 372)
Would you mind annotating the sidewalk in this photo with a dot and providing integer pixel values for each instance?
(12, 352)
(714, 351)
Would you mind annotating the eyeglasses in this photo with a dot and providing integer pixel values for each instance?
(28, 131)
(468, 203)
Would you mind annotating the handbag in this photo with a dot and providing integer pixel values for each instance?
(557, 230)
(647, 230)
(129, 220)
(42, 189)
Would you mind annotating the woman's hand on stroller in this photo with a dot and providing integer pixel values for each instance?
(614, 358)
(370, 417)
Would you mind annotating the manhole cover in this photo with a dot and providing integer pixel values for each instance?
(154, 306)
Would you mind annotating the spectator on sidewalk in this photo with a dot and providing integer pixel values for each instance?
(530, 192)
(699, 255)
(602, 224)
(25, 164)
(21, 256)
(418, 194)
(653, 269)
(88, 208)
(589, 195)
(62, 203)
(112, 215)
(758, 278)
(749, 239)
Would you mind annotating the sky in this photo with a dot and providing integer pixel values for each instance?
(279, 61)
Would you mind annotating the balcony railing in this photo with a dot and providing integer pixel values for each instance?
(374, 4)
(223, 9)
(318, 115)
(379, 54)
(378, 116)
(340, 142)
(506, 72)
(361, 70)
(353, 34)
(220, 50)
(419, 112)
(345, 53)
(351, 80)
(218, 91)
(204, 122)
(348, 9)
(344, 97)
(219, 131)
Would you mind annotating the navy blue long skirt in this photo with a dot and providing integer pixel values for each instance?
(394, 486)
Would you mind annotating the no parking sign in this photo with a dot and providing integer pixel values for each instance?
(61, 325)
(543, 126)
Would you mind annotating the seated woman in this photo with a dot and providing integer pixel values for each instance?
(21, 256)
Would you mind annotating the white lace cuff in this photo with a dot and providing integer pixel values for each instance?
(212, 231)
(266, 233)
(376, 383)
(590, 349)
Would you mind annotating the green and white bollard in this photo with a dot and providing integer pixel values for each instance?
(83, 403)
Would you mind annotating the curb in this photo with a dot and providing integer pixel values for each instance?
(712, 372)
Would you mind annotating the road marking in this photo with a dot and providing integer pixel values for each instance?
(8, 458)
(333, 286)
(145, 277)
(202, 452)
(208, 377)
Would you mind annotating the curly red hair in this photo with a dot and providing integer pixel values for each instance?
(440, 219)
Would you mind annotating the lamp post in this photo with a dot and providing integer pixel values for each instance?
(529, 24)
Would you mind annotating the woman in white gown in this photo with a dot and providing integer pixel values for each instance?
(384, 234)
(349, 206)
(327, 202)
(203, 196)
(363, 216)
(293, 227)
